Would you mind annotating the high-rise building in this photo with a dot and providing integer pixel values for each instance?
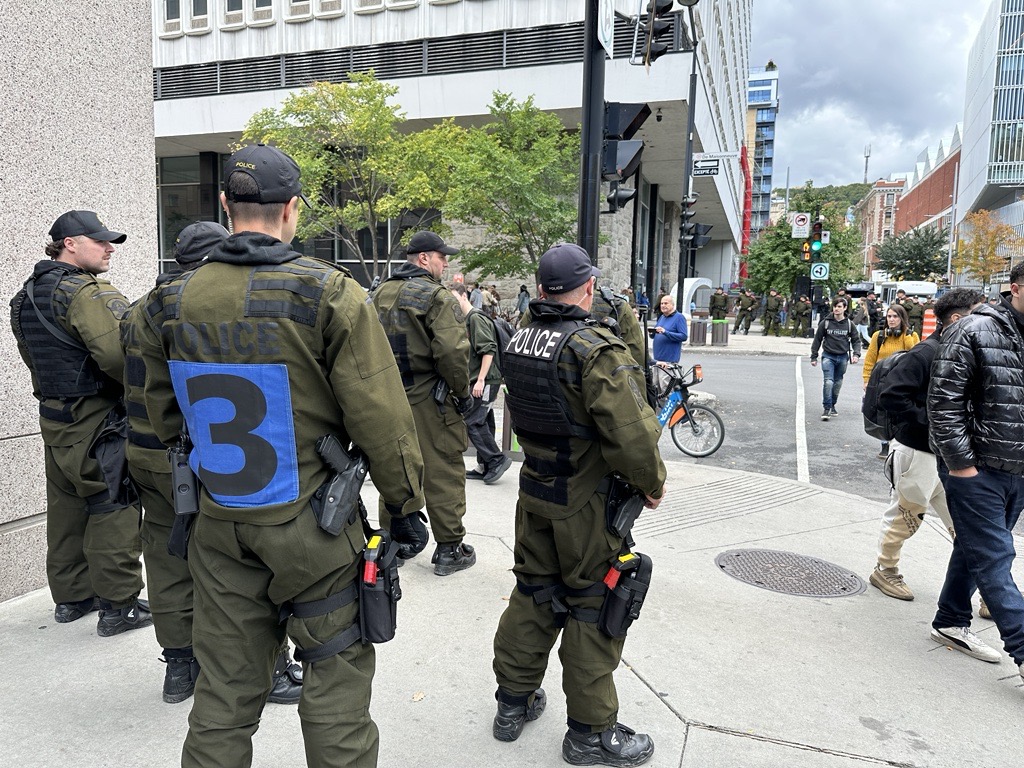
(216, 62)
(762, 112)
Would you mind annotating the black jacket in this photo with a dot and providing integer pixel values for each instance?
(905, 394)
(976, 394)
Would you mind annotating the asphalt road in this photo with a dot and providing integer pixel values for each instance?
(757, 400)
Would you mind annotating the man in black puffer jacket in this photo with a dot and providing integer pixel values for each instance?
(976, 412)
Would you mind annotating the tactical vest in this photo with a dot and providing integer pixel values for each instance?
(418, 295)
(535, 396)
(62, 365)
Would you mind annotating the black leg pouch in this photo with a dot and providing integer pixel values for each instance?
(622, 604)
(379, 590)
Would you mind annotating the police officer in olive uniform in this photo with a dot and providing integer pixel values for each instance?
(746, 305)
(65, 320)
(170, 583)
(719, 305)
(801, 313)
(576, 398)
(772, 308)
(261, 352)
(427, 331)
(915, 313)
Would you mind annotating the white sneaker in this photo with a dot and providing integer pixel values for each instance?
(963, 640)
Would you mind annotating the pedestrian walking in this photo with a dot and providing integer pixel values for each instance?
(916, 489)
(746, 306)
(522, 301)
(839, 344)
(801, 317)
(718, 305)
(669, 332)
(897, 337)
(772, 312)
(974, 412)
(581, 418)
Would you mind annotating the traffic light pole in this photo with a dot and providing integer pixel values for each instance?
(688, 254)
(591, 129)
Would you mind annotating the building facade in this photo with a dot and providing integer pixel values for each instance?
(78, 134)
(216, 62)
(762, 112)
(876, 217)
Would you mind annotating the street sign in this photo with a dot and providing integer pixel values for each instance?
(705, 167)
(819, 271)
(606, 24)
(826, 236)
(715, 155)
(801, 225)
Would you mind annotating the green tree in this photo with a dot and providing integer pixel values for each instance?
(986, 245)
(518, 177)
(776, 259)
(359, 170)
(919, 254)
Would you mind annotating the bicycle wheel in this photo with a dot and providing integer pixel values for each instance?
(699, 435)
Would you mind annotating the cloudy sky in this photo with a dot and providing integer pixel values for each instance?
(889, 73)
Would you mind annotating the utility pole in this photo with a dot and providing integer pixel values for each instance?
(591, 139)
(687, 253)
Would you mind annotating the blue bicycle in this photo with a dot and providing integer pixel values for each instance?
(696, 429)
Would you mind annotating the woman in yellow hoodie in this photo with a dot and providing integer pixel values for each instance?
(894, 337)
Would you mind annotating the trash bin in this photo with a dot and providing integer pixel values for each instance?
(698, 332)
(719, 333)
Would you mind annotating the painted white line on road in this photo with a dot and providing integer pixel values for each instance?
(803, 471)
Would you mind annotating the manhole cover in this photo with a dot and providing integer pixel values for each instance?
(790, 573)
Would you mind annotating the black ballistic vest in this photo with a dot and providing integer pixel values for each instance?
(535, 396)
(63, 367)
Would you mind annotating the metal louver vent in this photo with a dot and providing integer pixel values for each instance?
(396, 60)
(317, 66)
(250, 75)
(465, 54)
(547, 45)
(179, 82)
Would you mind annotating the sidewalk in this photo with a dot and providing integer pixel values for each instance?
(754, 343)
(721, 673)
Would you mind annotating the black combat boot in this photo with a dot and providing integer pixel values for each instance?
(449, 558)
(287, 682)
(65, 613)
(180, 677)
(512, 716)
(616, 746)
(114, 621)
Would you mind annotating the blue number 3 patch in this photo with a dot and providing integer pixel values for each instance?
(240, 420)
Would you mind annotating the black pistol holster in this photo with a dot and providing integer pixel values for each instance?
(379, 590)
(336, 502)
(627, 580)
(184, 496)
(623, 506)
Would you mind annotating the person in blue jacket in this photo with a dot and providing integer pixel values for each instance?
(669, 332)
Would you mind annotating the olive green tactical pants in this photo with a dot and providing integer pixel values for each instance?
(576, 551)
(243, 573)
(443, 440)
(170, 583)
(87, 555)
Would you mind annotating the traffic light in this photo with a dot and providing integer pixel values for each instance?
(807, 250)
(701, 236)
(816, 229)
(687, 227)
(618, 196)
(651, 26)
(621, 155)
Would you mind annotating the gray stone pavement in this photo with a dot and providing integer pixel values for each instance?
(721, 673)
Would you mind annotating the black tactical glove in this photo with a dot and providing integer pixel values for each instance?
(463, 405)
(410, 534)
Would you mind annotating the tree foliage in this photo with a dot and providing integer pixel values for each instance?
(359, 170)
(844, 196)
(776, 259)
(919, 254)
(517, 176)
(986, 244)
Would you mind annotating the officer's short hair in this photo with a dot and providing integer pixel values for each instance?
(242, 184)
(956, 301)
(1017, 273)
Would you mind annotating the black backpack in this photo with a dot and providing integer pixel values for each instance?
(877, 421)
(504, 331)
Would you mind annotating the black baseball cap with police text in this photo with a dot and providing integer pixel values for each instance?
(276, 175)
(563, 267)
(426, 241)
(75, 223)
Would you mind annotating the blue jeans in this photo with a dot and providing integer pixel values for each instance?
(833, 368)
(984, 509)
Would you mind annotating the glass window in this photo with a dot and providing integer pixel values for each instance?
(766, 115)
(179, 170)
(172, 10)
(199, 7)
(889, 198)
(756, 96)
(263, 3)
(759, 83)
(233, 5)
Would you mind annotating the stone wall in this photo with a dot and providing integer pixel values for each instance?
(77, 116)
